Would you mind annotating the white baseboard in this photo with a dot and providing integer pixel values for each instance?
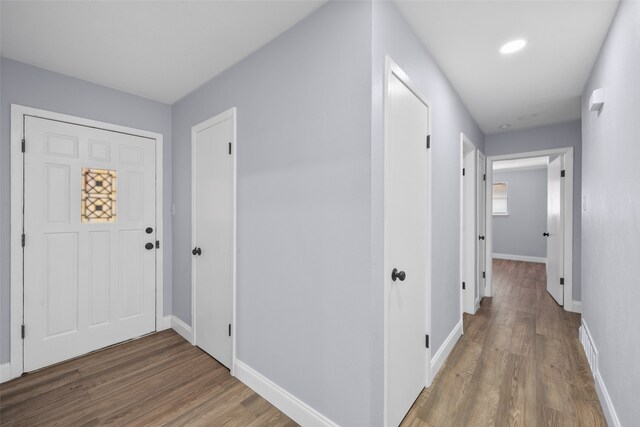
(293, 407)
(166, 323)
(576, 306)
(445, 349)
(5, 372)
(524, 258)
(182, 328)
(591, 352)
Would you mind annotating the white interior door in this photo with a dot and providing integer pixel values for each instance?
(405, 249)
(481, 241)
(213, 217)
(89, 254)
(555, 234)
(469, 231)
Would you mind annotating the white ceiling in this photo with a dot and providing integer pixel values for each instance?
(160, 50)
(539, 85)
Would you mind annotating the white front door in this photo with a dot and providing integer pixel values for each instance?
(555, 234)
(482, 248)
(406, 256)
(89, 253)
(213, 222)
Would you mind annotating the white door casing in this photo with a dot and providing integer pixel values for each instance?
(555, 238)
(86, 285)
(481, 240)
(213, 235)
(407, 245)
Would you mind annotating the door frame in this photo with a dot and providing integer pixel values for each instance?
(17, 187)
(468, 216)
(391, 68)
(566, 154)
(219, 118)
(480, 181)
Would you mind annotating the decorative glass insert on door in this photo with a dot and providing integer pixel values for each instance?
(98, 195)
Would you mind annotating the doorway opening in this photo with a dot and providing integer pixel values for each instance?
(518, 228)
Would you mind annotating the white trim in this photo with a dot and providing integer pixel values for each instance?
(225, 115)
(567, 195)
(577, 306)
(166, 323)
(293, 407)
(481, 229)
(525, 258)
(392, 68)
(445, 349)
(591, 351)
(5, 372)
(17, 114)
(182, 328)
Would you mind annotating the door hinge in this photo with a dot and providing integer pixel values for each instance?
(562, 173)
(562, 281)
(24, 145)
(229, 329)
(484, 274)
(428, 141)
(484, 177)
(229, 148)
(464, 285)
(463, 171)
(24, 240)
(22, 329)
(157, 244)
(426, 341)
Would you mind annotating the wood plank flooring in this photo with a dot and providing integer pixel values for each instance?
(519, 363)
(157, 380)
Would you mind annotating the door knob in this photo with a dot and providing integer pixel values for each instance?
(395, 274)
(148, 246)
(196, 251)
(480, 237)
(545, 234)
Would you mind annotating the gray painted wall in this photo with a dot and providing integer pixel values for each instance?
(304, 208)
(611, 221)
(544, 138)
(34, 87)
(392, 36)
(520, 232)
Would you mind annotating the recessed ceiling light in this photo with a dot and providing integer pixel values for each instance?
(512, 46)
(505, 126)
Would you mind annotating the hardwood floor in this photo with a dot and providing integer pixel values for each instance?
(519, 362)
(157, 380)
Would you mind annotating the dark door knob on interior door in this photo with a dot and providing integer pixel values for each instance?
(480, 237)
(196, 251)
(148, 246)
(395, 274)
(545, 234)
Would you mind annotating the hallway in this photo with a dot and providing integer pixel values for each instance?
(519, 362)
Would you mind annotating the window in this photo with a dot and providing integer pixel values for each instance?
(98, 195)
(500, 198)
